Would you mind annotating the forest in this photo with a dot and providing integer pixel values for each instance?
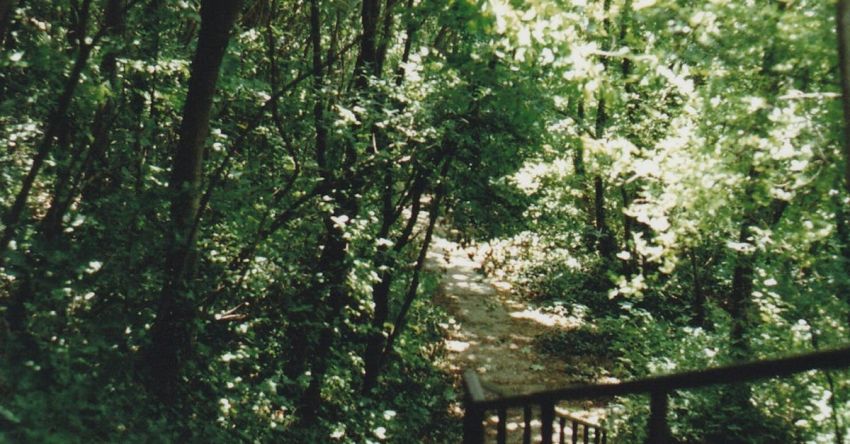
(218, 217)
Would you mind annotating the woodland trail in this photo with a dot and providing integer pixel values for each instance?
(492, 332)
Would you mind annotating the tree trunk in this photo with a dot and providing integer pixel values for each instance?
(413, 287)
(630, 223)
(175, 315)
(5, 17)
(301, 342)
(699, 318)
(386, 36)
(578, 153)
(367, 60)
(381, 293)
(389, 216)
(605, 243)
(333, 262)
(754, 215)
(68, 185)
(12, 215)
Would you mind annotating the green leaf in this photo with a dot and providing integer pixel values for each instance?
(9, 416)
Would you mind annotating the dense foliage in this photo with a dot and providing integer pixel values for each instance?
(215, 214)
(690, 204)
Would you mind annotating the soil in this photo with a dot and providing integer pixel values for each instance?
(492, 331)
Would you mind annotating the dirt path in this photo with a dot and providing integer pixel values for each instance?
(492, 332)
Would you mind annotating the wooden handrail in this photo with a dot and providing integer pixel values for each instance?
(771, 368)
(473, 386)
(658, 387)
(473, 429)
(494, 389)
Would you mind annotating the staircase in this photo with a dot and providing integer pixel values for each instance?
(556, 425)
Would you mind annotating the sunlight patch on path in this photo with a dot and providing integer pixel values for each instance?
(456, 346)
(547, 319)
(492, 332)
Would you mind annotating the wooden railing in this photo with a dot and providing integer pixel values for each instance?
(658, 387)
(579, 428)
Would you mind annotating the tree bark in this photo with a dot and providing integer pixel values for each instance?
(367, 60)
(386, 36)
(699, 318)
(605, 243)
(630, 223)
(171, 331)
(578, 153)
(5, 17)
(740, 302)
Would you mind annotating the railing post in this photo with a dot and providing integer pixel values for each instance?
(547, 418)
(502, 430)
(575, 432)
(659, 432)
(473, 417)
(562, 438)
(473, 429)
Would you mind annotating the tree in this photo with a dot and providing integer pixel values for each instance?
(172, 330)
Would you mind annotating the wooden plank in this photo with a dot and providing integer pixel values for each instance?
(502, 432)
(575, 432)
(547, 419)
(473, 386)
(473, 418)
(473, 425)
(659, 432)
(563, 436)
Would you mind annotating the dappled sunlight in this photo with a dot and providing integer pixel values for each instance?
(474, 287)
(521, 339)
(516, 424)
(308, 230)
(456, 346)
(459, 277)
(493, 331)
(547, 319)
(503, 286)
